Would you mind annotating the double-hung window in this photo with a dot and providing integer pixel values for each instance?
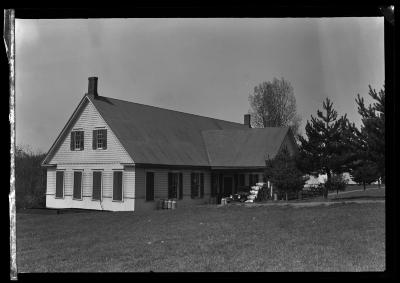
(100, 139)
(197, 185)
(175, 185)
(77, 140)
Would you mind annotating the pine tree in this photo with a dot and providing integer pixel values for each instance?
(372, 131)
(329, 147)
(283, 173)
(366, 173)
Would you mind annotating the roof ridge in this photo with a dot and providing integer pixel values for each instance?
(152, 106)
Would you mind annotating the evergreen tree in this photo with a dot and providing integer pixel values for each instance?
(366, 173)
(329, 147)
(372, 134)
(283, 173)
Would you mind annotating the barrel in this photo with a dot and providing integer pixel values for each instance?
(173, 204)
(165, 204)
(169, 205)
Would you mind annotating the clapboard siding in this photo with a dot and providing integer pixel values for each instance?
(87, 121)
(161, 182)
(87, 182)
(51, 181)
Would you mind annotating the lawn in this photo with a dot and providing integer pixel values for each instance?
(374, 193)
(340, 237)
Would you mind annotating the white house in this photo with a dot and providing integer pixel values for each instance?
(123, 156)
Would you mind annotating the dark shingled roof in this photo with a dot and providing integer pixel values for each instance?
(153, 135)
(243, 148)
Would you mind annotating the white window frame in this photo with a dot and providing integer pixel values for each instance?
(99, 139)
(81, 132)
(63, 190)
(97, 129)
(177, 189)
(198, 191)
(101, 187)
(73, 183)
(122, 186)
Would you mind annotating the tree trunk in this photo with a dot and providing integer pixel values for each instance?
(286, 197)
(364, 185)
(328, 181)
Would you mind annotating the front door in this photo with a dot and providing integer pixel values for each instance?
(228, 186)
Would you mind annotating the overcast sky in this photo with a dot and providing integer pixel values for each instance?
(202, 66)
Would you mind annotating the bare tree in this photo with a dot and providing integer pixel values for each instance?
(273, 104)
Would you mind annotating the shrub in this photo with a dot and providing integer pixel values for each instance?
(30, 179)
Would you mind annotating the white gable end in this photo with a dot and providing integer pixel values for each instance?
(88, 120)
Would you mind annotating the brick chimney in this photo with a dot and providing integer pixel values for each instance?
(92, 89)
(247, 120)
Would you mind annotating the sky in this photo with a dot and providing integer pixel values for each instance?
(201, 66)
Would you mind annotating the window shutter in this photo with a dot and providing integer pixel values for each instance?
(180, 186)
(72, 140)
(236, 180)
(59, 184)
(105, 139)
(202, 185)
(77, 185)
(94, 141)
(220, 182)
(149, 186)
(192, 186)
(117, 186)
(82, 140)
(96, 195)
(169, 185)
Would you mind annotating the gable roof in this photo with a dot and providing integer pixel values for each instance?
(245, 147)
(153, 135)
(158, 136)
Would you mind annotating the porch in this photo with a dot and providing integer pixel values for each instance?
(225, 182)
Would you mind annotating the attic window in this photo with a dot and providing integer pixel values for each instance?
(77, 140)
(100, 139)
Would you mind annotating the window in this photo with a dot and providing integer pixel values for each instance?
(175, 185)
(59, 184)
(117, 186)
(197, 185)
(97, 183)
(77, 193)
(149, 186)
(77, 140)
(100, 139)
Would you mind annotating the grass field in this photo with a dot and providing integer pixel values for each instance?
(340, 237)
